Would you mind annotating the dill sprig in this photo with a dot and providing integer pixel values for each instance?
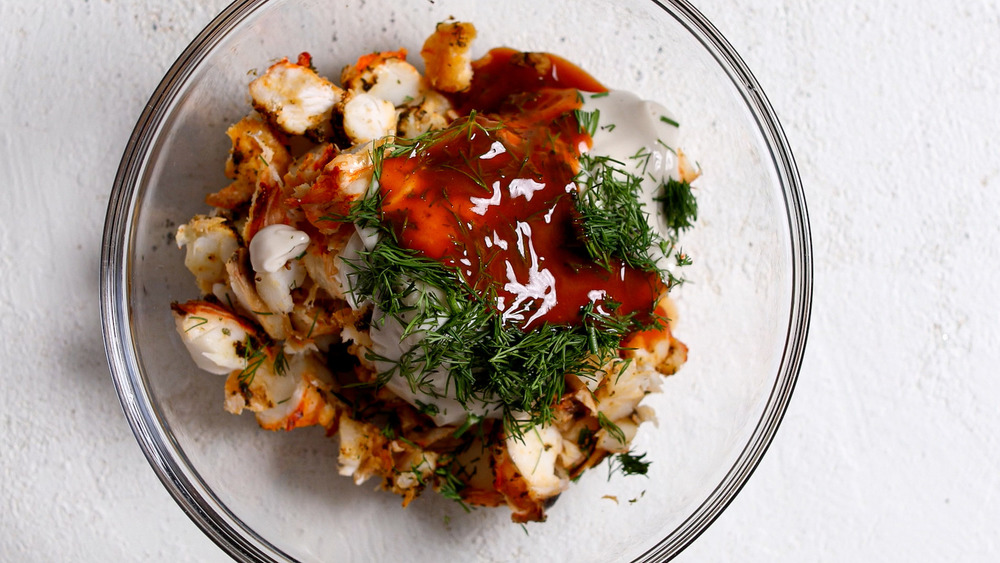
(611, 428)
(628, 464)
(280, 362)
(678, 204)
(450, 486)
(201, 321)
(615, 223)
(254, 354)
(587, 120)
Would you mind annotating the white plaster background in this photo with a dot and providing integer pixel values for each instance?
(890, 450)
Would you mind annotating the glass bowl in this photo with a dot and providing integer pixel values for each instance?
(744, 314)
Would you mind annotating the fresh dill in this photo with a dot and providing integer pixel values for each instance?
(669, 121)
(470, 421)
(615, 223)
(628, 464)
(280, 362)
(588, 120)
(429, 409)
(678, 204)
(312, 326)
(450, 485)
(253, 357)
(201, 321)
(611, 428)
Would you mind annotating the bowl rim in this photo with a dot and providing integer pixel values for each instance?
(182, 480)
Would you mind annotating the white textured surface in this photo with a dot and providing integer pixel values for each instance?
(891, 445)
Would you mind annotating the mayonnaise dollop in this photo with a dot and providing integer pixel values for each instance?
(640, 134)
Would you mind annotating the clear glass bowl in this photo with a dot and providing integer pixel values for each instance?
(263, 495)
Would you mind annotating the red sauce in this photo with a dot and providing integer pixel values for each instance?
(503, 72)
(494, 198)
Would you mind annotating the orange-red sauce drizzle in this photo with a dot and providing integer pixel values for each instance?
(494, 198)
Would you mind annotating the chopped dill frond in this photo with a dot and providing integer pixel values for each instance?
(201, 321)
(678, 204)
(669, 121)
(588, 120)
(611, 428)
(280, 362)
(628, 464)
(615, 223)
(253, 357)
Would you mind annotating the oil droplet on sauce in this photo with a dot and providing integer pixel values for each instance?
(494, 197)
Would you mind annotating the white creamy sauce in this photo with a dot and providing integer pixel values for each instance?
(274, 245)
(639, 133)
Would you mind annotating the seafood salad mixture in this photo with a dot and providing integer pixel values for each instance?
(462, 274)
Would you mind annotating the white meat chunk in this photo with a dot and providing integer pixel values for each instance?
(355, 447)
(535, 455)
(324, 268)
(433, 111)
(294, 97)
(284, 391)
(387, 78)
(618, 399)
(367, 117)
(620, 393)
(447, 56)
(352, 172)
(212, 335)
(209, 242)
(275, 288)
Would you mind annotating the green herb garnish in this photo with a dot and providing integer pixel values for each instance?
(611, 428)
(588, 120)
(679, 207)
(669, 121)
(280, 362)
(253, 356)
(628, 464)
(201, 321)
(615, 225)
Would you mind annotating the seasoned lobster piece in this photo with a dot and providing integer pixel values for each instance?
(295, 98)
